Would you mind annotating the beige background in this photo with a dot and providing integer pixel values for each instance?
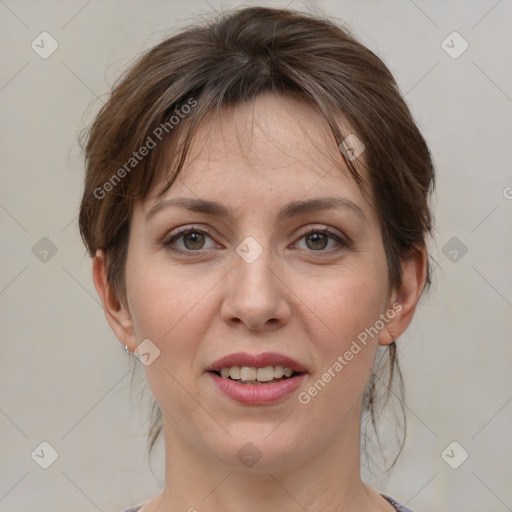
(65, 379)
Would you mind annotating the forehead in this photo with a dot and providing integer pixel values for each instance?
(273, 144)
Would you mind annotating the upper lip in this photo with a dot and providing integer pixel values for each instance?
(256, 360)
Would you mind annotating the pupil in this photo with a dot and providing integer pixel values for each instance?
(318, 238)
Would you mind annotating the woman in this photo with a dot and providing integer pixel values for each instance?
(256, 206)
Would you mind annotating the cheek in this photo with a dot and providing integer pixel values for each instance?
(345, 302)
(173, 310)
(163, 298)
(174, 307)
(343, 325)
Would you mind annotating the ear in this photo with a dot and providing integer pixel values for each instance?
(117, 315)
(403, 301)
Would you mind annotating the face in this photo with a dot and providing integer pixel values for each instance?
(288, 262)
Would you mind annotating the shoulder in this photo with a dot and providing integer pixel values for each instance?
(398, 506)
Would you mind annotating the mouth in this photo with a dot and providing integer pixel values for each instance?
(254, 369)
(252, 376)
(257, 379)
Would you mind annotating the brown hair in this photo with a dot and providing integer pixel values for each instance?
(233, 59)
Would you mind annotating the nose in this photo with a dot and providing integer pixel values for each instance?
(256, 296)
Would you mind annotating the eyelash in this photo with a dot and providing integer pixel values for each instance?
(342, 242)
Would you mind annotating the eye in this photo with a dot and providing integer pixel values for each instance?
(322, 240)
(188, 240)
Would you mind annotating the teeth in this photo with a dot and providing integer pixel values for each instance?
(265, 374)
(234, 372)
(248, 373)
(278, 371)
(251, 374)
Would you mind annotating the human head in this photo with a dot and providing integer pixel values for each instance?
(232, 61)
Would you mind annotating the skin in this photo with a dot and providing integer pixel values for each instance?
(299, 298)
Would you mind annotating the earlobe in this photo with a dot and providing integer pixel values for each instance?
(117, 315)
(406, 297)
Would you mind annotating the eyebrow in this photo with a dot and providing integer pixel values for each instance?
(290, 210)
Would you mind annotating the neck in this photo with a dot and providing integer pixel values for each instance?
(321, 481)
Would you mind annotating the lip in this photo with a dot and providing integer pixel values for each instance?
(257, 361)
(257, 394)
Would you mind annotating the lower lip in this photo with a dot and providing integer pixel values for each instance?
(257, 394)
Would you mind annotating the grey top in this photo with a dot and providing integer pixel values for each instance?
(398, 507)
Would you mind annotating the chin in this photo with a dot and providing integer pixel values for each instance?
(258, 447)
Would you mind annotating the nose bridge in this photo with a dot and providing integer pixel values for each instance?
(256, 276)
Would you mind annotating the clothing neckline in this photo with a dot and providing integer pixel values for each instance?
(397, 506)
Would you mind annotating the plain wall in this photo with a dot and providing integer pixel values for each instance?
(64, 377)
